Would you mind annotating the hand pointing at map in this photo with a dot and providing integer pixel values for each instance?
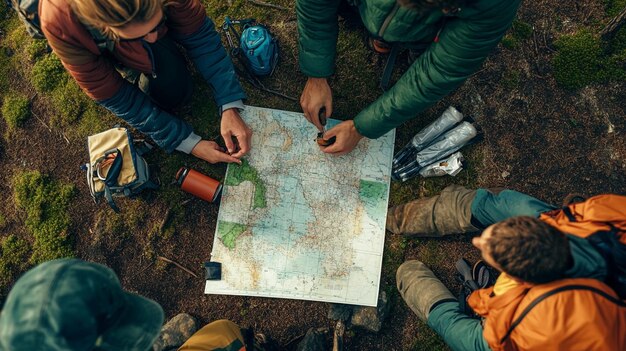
(233, 126)
(347, 138)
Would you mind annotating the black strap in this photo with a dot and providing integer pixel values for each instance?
(391, 60)
(568, 213)
(109, 197)
(556, 291)
(111, 179)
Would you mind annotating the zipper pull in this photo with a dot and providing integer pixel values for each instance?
(436, 40)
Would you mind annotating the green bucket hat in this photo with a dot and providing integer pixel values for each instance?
(70, 304)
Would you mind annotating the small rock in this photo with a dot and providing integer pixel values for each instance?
(313, 340)
(371, 318)
(175, 332)
(505, 174)
(339, 312)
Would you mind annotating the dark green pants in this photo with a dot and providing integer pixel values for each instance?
(170, 84)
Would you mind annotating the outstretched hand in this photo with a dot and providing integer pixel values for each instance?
(315, 97)
(233, 126)
(212, 153)
(347, 138)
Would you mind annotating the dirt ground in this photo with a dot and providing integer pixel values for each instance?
(539, 139)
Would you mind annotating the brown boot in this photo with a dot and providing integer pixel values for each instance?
(419, 288)
(446, 213)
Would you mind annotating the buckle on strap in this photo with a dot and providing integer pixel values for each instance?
(109, 166)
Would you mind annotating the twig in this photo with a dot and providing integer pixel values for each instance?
(166, 218)
(42, 122)
(263, 3)
(177, 265)
(64, 137)
(143, 270)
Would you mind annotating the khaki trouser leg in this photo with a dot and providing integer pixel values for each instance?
(419, 287)
(446, 213)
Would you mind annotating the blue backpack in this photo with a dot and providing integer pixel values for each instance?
(257, 46)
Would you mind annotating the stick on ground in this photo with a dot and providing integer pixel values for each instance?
(177, 265)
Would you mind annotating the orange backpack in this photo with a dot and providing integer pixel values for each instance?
(602, 221)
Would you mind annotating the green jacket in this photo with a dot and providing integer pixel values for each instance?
(467, 36)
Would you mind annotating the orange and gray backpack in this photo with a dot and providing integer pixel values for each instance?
(566, 314)
(602, 221)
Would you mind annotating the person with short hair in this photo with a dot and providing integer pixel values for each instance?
(556, 289)
(451, 39)
(507, 245)
(125, 55)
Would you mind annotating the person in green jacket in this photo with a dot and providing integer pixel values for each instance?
(454, 36)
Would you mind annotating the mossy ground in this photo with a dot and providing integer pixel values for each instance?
(527, 119)
(15, 110)
(583, 58)
(45, 202)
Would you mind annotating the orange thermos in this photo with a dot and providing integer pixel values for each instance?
(198, 184)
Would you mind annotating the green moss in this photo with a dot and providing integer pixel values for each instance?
(521, 30)
(5, 69)
(582, 59)
(13, 258)
(37, 49)
(46, 203)
(511, 79)
(510, 42)
(228, 232)
(48, 73)
(3, 221)
(245, 172)
(613, 7)
(16, 110)
(69, 102)
(127, 222)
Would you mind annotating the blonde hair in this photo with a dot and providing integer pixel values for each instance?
(104, 14)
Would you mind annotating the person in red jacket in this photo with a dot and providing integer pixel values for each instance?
(125, 56)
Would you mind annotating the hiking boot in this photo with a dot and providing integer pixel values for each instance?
(446, 213)
(420, 289)
(379, 46)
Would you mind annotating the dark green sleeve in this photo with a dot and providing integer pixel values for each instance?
(317, 31)
(463, 45)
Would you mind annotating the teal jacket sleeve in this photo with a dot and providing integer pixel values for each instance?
(463, 45)
(205, 49)
(317, 31)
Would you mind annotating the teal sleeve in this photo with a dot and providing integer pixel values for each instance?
(458, 330)
(489, 207)
(463, 45)
(317, 36)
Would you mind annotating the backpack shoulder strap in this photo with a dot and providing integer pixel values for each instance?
(544, 296)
